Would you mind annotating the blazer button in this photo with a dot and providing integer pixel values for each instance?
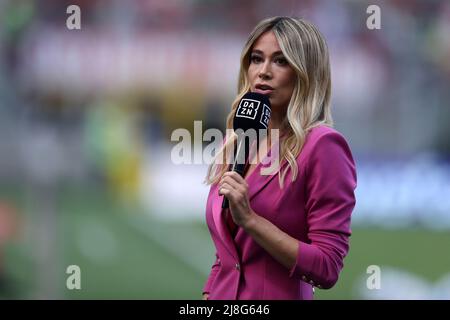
(237, 267)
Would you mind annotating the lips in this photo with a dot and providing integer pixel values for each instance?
(263, 89)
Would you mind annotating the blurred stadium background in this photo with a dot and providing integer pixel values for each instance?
(86, 118)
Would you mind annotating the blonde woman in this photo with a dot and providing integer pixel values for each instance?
(287, 232)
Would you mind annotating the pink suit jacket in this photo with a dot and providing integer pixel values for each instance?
(315, 209)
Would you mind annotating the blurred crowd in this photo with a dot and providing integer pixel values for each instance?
(85, 106)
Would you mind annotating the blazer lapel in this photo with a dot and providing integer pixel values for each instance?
(257, 180)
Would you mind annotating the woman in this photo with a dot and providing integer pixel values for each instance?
(281, 237)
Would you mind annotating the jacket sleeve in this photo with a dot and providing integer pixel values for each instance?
(330, 184)
(212, 275)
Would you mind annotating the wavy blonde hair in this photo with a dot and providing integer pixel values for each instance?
(306, 51)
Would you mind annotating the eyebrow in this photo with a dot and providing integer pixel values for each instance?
(260, 52)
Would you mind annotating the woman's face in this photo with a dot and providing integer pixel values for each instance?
(269, 72)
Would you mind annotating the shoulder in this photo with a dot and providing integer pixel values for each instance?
(324, 140)
(320, 132)
(326, 156)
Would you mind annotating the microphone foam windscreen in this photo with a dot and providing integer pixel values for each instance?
(253, 112)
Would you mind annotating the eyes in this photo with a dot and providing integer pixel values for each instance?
(279, 60)
(255, 59)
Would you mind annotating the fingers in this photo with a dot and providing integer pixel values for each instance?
(233, 194)
(235, 176)
(235, 180)
(232, 183)
(225, 189)
(235, 189)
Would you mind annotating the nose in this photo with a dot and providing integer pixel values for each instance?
(265, 72)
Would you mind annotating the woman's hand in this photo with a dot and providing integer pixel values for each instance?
(280, 245)
(205, 296)
(235, 188)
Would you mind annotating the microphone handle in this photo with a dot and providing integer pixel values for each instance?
(238, 165)
(239, 168)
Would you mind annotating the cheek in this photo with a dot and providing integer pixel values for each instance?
(282, 98)
(251, 73)
(288, 84)
(285, 96)
(289, 78)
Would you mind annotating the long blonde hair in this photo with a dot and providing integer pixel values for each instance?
(306, 51)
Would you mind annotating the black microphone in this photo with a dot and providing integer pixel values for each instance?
(250, 120)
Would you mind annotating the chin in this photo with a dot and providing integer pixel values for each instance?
(274, 103)
(278, 107)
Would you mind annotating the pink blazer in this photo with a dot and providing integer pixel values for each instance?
(315, 209)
